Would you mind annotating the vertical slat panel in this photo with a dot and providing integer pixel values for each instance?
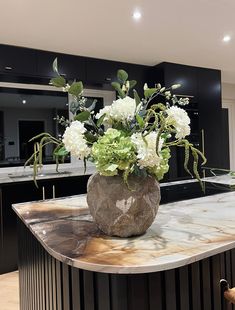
(59, 287)
(206, 285)
(195, 286)
(170, 290)
(118, 292)
(66, 286)
(156, 291)
(76, 289)
(89, 296)
(184, 288)
(53, 267)
(102, 291)
(215, 260)
(46, 282)
(138, 292)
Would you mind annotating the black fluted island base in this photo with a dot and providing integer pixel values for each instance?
(48, 284)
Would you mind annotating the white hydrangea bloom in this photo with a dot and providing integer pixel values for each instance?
(180, 120)
(74, 140)
(120, 110)
(146, 152)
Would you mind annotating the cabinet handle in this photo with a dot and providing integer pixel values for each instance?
(203, 141)
(184, 96)
(203, 149)
(108, 79)
(8, 68)
(53, 191)
(1, 217)
(43, 193)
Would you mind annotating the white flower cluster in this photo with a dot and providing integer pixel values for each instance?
(178, 118)
(121, 110)
(74, 140)
(146, 150)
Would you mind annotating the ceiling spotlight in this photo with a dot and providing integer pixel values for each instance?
(137, 15)
(226, 38)
(24, 101)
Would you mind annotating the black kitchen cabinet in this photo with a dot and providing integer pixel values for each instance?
(203, 87)
(210, 116)
(17, 60)
(140, 74)
(23, 192)
(100, 71)
(168, 74)
(72, 67)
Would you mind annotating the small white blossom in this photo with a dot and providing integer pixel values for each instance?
(145, 86)
(121, 110)
(178, 118)
(74, 140)
(146, 150)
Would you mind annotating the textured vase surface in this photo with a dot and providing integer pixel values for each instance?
(119, 211)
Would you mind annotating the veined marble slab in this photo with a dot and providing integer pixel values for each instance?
(183, 232)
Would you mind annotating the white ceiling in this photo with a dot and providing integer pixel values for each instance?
(181, 31)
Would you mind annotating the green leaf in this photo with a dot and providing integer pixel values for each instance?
(140, 120)
(90, 137)
(100, 120)
(61, 152)
(117, 87)
(132, 83)
(149, 92)
(136, 96)
(58, 81)
(122, 75)
(55, 66)
(76, 89)
(83, 116)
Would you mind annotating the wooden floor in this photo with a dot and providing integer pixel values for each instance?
(9, 291)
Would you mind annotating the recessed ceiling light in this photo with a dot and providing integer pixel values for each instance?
(137, 15)
(24, 101)
(226, 38)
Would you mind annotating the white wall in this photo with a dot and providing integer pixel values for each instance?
(228, 101)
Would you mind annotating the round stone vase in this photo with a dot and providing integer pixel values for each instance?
(119, 211)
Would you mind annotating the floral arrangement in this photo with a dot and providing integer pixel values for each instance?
(130, 136)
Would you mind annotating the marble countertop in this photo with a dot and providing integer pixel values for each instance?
(45, 175)
(183, 232)
(225, 179)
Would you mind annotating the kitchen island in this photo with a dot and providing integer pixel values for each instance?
(65, 262)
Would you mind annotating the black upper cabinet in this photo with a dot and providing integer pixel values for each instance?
(101, 71)
(140, 74)
(72, 67)
(17, 60)
(184, 75)
(168, 74)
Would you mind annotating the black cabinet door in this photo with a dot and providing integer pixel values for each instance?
(13, 193)
(140, 74)
(184, 75)
(72, 67)
(17, 60)
(210, 115)
(70, 186)
(101, 71)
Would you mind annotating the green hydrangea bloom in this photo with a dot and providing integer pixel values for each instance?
(159, 171)
(113, 152)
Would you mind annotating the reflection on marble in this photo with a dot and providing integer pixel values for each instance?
(225, 179)
(183, 232)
